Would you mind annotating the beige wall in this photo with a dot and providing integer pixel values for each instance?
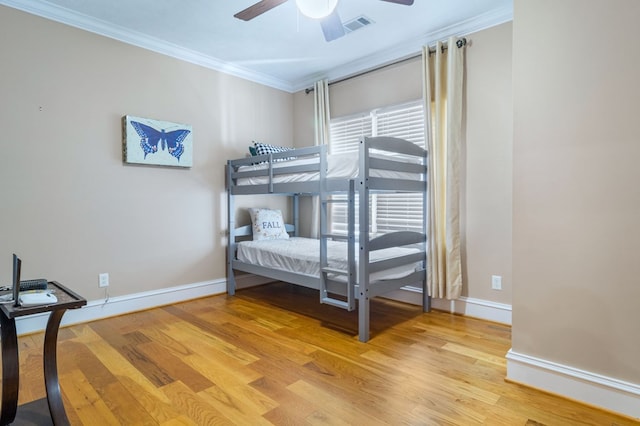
(487, 147)
(68, 205)
(488, 134)
(576, 235)
(394, 84)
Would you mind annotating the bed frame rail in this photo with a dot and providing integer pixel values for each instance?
(396, 239)
(275, 164)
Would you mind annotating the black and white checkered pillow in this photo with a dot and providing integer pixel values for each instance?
(265, 148)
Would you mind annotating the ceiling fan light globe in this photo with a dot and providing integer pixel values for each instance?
(316, 9)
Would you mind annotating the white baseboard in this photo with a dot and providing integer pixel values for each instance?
(477, 308)
(590, 388)
(119, 305)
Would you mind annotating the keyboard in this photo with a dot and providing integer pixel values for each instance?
(37, 284)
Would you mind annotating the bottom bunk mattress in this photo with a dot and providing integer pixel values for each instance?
(302, 256)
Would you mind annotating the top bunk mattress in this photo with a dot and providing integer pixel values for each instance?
(339, 166)
(302, 256)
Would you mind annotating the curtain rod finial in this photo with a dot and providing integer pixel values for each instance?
(461, 42)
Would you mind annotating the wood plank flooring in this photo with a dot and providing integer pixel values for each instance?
(274, 355)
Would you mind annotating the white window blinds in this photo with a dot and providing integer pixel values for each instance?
(402, 121)
(389, 212)
(346, 132)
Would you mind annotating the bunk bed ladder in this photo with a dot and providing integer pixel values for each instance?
(348, 302)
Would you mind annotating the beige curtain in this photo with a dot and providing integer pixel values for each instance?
(322, 117)
(443, 73)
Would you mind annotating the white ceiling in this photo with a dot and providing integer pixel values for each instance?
(281, 48)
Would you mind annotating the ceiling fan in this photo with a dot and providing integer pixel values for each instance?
(323, 10)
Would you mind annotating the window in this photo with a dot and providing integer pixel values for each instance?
(388, 212)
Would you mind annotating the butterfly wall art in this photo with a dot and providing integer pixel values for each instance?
(155, 142)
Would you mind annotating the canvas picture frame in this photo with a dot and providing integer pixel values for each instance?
(156, 142)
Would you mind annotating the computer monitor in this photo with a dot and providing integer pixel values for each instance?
(17, 265)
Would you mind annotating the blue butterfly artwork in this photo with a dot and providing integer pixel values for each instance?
(154, 142)
(151, 138)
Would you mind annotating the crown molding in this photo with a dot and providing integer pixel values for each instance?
(411, 48)
(399, 52)
(96, 26)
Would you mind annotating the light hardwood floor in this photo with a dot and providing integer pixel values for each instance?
(274, 355)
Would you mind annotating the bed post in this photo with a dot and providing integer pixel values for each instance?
(231, 239)
(426, 297)
(363, 237)
(296, 214)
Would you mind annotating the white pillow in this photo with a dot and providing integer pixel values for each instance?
(268, 224)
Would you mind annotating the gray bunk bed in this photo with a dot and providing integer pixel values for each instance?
(370, 264)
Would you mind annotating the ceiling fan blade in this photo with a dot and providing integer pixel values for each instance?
(405, 2)
(257, 9)
(332, 26)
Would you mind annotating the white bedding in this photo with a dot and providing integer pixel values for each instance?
(343, 166)
(301, 255)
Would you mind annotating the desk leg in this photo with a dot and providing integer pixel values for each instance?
(54, 398)
(10, 370)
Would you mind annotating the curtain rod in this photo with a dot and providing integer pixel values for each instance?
(460, 43)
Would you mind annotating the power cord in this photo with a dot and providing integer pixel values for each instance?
(106, 296)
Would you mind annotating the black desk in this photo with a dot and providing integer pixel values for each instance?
(67, 299)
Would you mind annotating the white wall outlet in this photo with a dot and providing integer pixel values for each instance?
(496, 282)
(103, 280)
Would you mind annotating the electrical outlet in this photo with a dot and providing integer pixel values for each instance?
(103, 280)
(496, 282)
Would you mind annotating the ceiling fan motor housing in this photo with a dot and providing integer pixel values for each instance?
(316, 9)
